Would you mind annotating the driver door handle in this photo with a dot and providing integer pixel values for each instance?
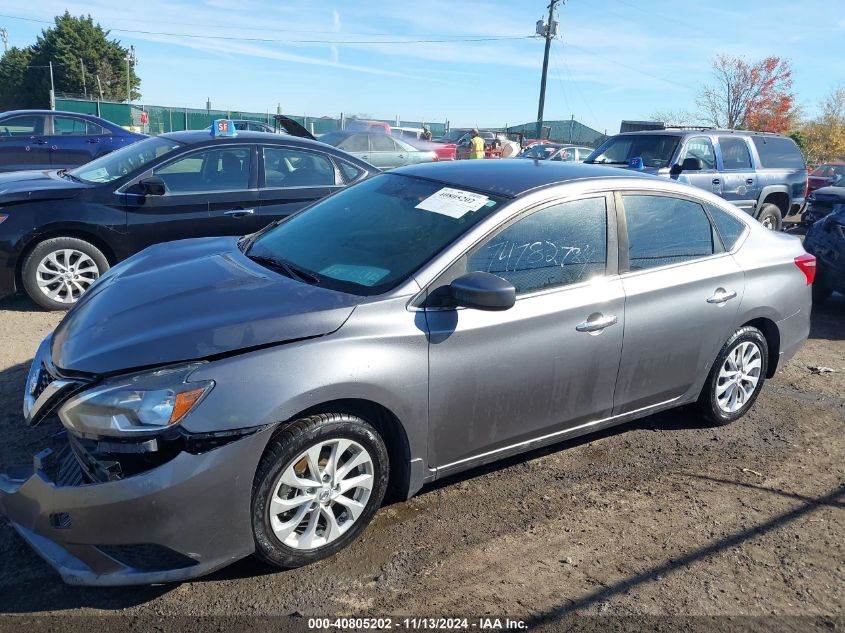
(239, 213)
(721, 296)
(597, 322)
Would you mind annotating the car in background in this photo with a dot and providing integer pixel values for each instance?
(379, 149)
(825, 175)
(60, 230)
(359, 125)
(556, 152)
(452, 136)
(253, 126)
(262, 395)
(826, 240)
(407, 133)
(822, 201)
(496, 145)
(50, 139)
(761, 173)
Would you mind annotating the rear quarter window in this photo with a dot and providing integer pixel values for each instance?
(778, 152)
(729, 228)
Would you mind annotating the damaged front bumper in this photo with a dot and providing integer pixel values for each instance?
(182, 519)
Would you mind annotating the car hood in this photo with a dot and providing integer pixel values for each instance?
(189, 300)
(25, 186)
(830, 194)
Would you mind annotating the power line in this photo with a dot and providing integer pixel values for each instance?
(441, 40)
(629, 67)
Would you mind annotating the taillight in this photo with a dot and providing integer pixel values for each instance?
(807, 264)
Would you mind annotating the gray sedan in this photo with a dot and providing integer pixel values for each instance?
(379, 149)
(223, 397)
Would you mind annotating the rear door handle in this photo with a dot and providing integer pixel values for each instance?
(716, 181)
(596, 322)
(93, 140)
(40, 141)
(721, 296)
(239, 213)
(749, 181)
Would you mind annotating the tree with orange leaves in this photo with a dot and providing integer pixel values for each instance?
(754, 96)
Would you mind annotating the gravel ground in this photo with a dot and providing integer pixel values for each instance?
(658, 517)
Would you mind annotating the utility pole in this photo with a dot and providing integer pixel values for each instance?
(84, 89)
(99, 86)
(4, 35)
(130, 59)
(52, 89)
(548, 30)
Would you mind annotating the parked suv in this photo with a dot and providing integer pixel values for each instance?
(762, 173)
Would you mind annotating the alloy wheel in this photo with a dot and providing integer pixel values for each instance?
(65, 274)
(739, 376)
(321, 494)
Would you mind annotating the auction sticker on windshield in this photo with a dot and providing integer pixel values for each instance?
(453, 202)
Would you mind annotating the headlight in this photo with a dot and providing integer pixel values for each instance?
(138, 403)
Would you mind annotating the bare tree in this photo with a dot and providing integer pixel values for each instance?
(759, 93)
(675, 117)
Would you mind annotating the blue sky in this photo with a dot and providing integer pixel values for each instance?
(614, 60)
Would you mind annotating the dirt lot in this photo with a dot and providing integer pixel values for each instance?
(662, 516)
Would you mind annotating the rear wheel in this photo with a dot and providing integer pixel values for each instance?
(59, 270)
(317, 487)
(736, 377)
(770, 217)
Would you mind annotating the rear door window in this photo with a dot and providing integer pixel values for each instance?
(778, 152)
(665, 230)
(382, 143)
(286, 167)
(735, 153)
(729, 228)
(356, 143)
(71, 126)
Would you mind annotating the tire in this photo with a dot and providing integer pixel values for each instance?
(724, 411)
(55, 257)
(770, 217)
(287, 539)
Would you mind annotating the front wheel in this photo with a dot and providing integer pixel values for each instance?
(60, 269)
(736, 378)
(770, 217)
(317, 487)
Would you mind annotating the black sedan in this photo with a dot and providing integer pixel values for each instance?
(46, 139)
(60, 230)
(822, 201)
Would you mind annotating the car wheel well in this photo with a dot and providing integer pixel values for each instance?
(92, 239)
(772, 334)
(389, 428)
(780, 200)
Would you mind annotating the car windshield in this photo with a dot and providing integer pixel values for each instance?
(372, 236)
(453, 135)
(656, 150)
(126, 160)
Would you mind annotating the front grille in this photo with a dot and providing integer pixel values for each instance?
(147, 556)
(43, 381)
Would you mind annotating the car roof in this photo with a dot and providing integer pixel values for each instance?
(197, 136)
(511, 178)
(696, 132)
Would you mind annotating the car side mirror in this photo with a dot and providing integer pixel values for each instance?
(482, 291)
(689, 164)
(153, 186)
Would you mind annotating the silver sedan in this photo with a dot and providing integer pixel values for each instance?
(262, 395)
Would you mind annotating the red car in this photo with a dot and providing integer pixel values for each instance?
(824, 175)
